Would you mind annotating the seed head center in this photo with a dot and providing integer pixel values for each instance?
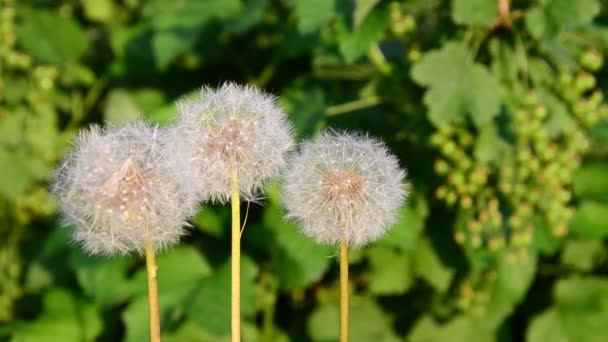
(126, 193)
(228, 142)
(343, 186)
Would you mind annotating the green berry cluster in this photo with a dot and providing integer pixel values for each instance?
(579, 90)
(467, 188)
(500, 204)
(474, 293)
(402, 23)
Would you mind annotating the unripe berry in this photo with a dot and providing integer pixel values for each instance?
(584, 81)
(592, 60)
(441, 167)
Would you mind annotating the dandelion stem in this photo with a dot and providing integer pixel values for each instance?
(152, 293)
(343, 291)
(236, 259)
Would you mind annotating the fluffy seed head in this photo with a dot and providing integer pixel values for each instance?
(231, 128)
(344, 187)
(118, 191)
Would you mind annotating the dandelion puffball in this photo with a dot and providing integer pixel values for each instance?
(118, 191)
(344, 187)
(233, 128)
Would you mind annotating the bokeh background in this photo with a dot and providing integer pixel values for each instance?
(496, 108)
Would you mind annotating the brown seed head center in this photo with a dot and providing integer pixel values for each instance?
(228, 142)
(343, 186)
(126, 193)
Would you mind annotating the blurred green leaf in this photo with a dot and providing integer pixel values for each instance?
(590, 220)
(430, 267)
(580, 313)
(16, 175)
(51, 38)
(457, 86)
(102, 279)
(583, 254)
(474, 12)
(63, 317)
(306, 108)
(362, 9)
(180, 272)
(312, 14)
(367, 323)
(356, 44)
(558, 15)
(120, 107)
(169, 44)
(489, 146)
(462, 328)
(391, 271)
(210, 308)
(303, 260)
(404, 234)
(590, 182)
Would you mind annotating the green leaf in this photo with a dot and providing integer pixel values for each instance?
(312, 14)
(512, 283)
(63, 317)
(180, 272)
(457, 86)
(560, 15)
(51, 38)
(480, 13)
(405, 233)
(209, 221)
(544, 240)
(367, 323)
(210, 309)
(583, 254)
(169, 44)
(17, 173)
(580, 313)
(102, 279)
(306, 108)
(120, 107)
(430, 267)
(302, 261)
(391, 271)
(590, 182)
(462, 328)
(489, 146)
(591, 220)
(190, 13)
(362, 9)
(371, 31)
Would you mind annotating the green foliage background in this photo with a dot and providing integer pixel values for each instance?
(495, 108)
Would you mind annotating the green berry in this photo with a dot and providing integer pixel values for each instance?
(592, 60)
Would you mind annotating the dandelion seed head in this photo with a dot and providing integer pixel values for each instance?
(231, 128)
(118, 190)
(344, 187)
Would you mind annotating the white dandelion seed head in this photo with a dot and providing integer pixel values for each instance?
(344, 187)
(232, 128)
(118, 191)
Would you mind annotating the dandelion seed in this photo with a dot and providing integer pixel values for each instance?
(344, 187)
(231, 128)
(105, 207)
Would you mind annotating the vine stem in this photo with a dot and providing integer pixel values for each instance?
(236, 259)
(343, 291)
(151, 269)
